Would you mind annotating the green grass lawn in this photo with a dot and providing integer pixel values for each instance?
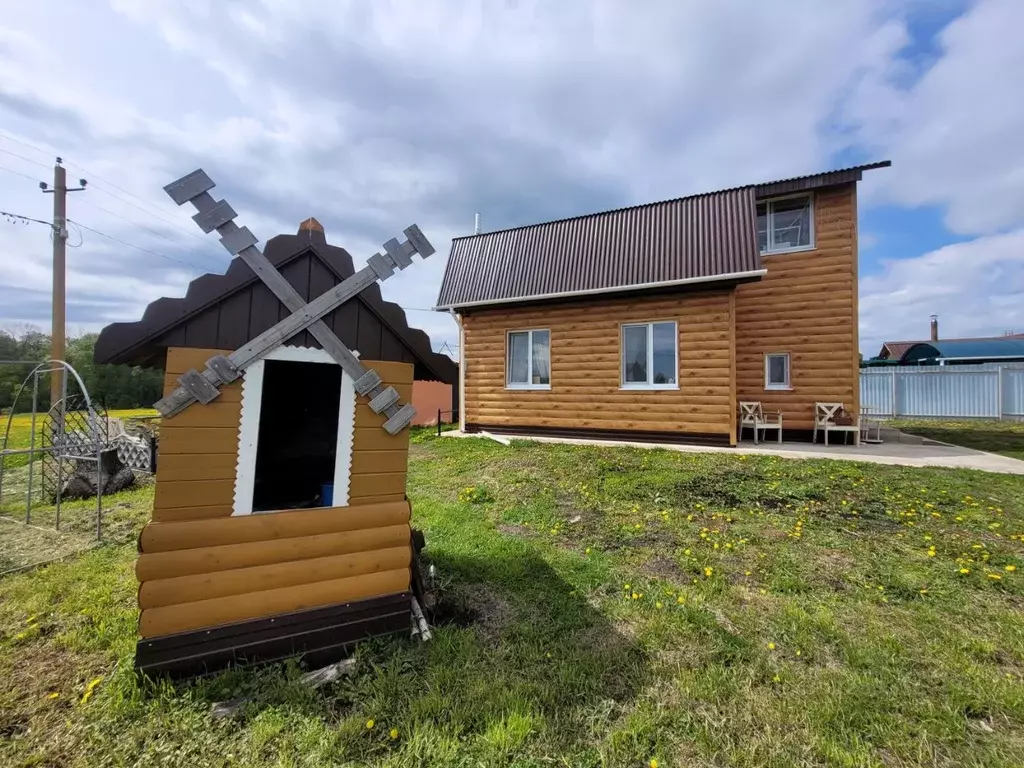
(1004, 437)
(603, 607)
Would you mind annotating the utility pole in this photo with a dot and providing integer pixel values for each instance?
(60, 239)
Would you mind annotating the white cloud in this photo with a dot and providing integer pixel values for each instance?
(372, 115)
(975, 287)
(954, 134)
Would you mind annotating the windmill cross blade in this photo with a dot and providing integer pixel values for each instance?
(239, 241)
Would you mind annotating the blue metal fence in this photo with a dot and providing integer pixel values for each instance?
(990, 391)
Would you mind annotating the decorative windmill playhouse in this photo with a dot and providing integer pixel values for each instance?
(280, 521)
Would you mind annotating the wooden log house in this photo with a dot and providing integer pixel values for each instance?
(652, 322)
(280, 522)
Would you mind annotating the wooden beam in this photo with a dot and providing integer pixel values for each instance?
(239, 241)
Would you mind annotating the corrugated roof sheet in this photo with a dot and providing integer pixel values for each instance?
(968, 348)
(687, 239)
(897, 349)
(703, 237)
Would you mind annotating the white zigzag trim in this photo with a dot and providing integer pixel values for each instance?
(249, 427)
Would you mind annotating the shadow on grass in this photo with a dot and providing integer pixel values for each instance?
(512, 639)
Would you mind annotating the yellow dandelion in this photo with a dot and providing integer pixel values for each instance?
(586, 551)
(747, 573)
(636, 596)
(627, 586)
(708, 572)
(393, 734)
(771, 646)
(53, 695)
(658, 605)
(797, 651)
(680, 600)
(994, 576)
(653, 763)
(1011, 568)
(965, 571)
(776, 679)
(369, 725)
(686, 552)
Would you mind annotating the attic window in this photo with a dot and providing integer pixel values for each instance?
(786, 224)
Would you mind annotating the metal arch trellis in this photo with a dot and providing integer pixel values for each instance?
(71, 431)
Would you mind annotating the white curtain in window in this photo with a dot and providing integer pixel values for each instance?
(541, 357)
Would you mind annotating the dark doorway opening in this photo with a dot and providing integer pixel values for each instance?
(298, 434)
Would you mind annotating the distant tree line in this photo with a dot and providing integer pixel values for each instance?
(110, 386)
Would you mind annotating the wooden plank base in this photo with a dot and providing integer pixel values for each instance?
(320, 635)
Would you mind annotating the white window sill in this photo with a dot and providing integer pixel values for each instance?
(778, 388)
(527, 387)
(797, 249)
(649, 388)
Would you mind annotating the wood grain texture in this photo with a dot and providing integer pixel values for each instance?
(585, 366)
(241, 581)
(198, 447)
(157, 622)
(807, 306)
(187, 562)
(167, 537)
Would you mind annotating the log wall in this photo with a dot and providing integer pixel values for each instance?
(807, 306)
(198, 448)
(206, 573)
(585, 367)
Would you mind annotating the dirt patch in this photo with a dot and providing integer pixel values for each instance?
(43, 668)
(474, 605)
(664, 568)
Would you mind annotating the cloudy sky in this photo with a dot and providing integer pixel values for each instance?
(372, 116)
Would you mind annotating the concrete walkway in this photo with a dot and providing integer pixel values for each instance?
(899, 454)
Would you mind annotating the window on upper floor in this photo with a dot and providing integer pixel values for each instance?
(650, 356)
(786, 224)
(528, 360)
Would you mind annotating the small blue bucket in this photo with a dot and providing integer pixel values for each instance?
(327, 494)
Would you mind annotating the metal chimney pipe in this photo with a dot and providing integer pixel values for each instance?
(476, 224)
(935, 327)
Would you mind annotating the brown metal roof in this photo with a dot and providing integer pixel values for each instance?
(701, 238)
(694, 238)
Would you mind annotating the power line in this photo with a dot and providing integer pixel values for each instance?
(19, 173)
(166, 219)
(153, 210)
(138, 224)
(26, 219)
(138, 247)
(22, 157)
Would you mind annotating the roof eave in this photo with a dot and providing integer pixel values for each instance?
(755, 274)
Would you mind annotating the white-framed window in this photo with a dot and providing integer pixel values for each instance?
(293, 451)
(776, 370)
(786, 224)
(650, 355)
(528, 359)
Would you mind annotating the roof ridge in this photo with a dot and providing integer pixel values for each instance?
(640, 206)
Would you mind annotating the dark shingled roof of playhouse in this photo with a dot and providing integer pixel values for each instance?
(226, 311)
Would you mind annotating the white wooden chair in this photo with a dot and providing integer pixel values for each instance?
(825, 420)
(751, 415)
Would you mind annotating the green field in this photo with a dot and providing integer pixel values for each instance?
(19, 435)
(1004, 437)
(603, 607)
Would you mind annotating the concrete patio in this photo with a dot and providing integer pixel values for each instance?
(929, 454)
